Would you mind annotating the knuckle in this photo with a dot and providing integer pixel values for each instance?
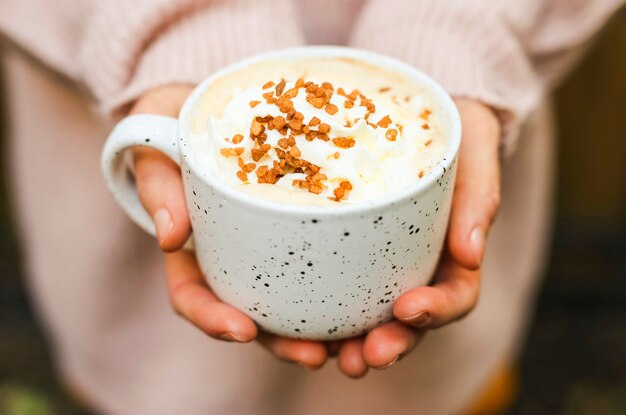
(472, 296)
(176, 294)
(492, 201)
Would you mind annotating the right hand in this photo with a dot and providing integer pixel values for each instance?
(160, 188)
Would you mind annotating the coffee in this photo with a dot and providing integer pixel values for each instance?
(286, 257)
(319, 132)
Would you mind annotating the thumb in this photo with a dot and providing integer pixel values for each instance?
(477, 191)
(160, 188)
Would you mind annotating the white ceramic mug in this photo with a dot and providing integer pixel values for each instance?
(300, 271)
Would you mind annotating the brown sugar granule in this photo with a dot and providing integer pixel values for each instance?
(280, 153)
(300, 83)
(269, 97)
(331, 109)
(391, 134)
(328, 85)
(300, 183)
(384, 122)
(426, 126)
(427, 143)
(324, 128)
(280, 87)
(254, 103)
(237, 138)
(256, 128)
(425, 114)
(317, 91)
(312, 169)
(284, 143)
(279, 122)
(384, 89)
(421, 174)
(314, 121)
(295, 152)
(336, 155)
(315, 188)
(261, 171)
(291, 93)
(317, 102)
(343, 142)
(348, 104)
(340, 192)
(284, 104)
(268, 85)
(260, 139)
(318, 177)
(257, 153)
(295, 125)
(367, 103)
(231, 151)
(323, 137)
(265, 119)
(354, 95)
(249, 168)
(242, 176)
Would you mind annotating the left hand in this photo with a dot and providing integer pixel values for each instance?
(457, 282)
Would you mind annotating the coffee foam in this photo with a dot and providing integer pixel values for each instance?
(375, 167)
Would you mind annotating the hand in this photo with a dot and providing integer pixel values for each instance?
(457, 282)
(159, 184)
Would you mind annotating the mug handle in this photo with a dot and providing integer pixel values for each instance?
(156, 131)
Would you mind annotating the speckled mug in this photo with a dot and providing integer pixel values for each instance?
(301, 271)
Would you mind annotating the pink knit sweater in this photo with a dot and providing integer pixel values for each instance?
(503, 53)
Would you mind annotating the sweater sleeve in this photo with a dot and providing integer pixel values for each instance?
(481, 49)
(131, 47)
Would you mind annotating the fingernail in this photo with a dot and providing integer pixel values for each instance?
(164, 224)
(418, 319)
(477, 242)
(395, 359)
(231, 337)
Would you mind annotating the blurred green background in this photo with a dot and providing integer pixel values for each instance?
(574, 361)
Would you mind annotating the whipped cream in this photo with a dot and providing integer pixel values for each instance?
(366, 134)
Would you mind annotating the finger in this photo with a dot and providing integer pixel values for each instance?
(350, 359)
(477, 191)
(453, 295)
(387, 343)
(193, 300)
(306, 353)
(160, 189)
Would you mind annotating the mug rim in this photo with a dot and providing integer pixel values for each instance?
(303, 52)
